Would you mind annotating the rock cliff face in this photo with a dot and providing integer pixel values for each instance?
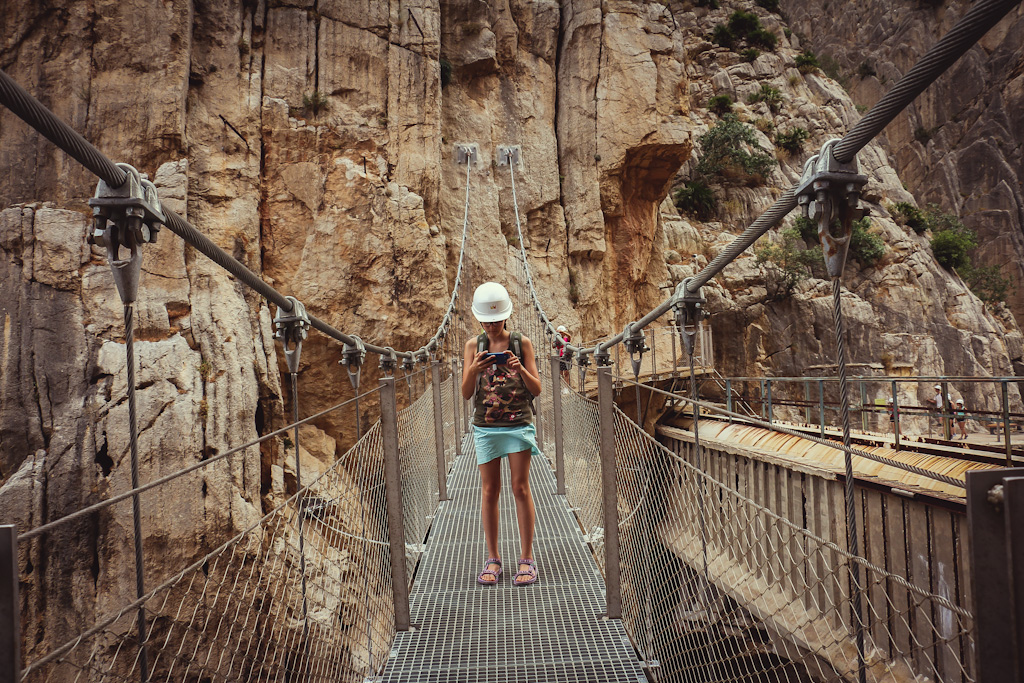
(959, 144)
(315, 141)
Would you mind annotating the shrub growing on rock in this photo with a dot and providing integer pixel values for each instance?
(807, 62)
(792, 140)
(750, 54)
(730, 149)
(770, 5)
(742, 23)
(762, 38)
(769, 95)
(696, 198)
(987, 282)
(786, 264)
(720, 104)
(721, 35)
(952, 246)
(865, 246)
(905, 213)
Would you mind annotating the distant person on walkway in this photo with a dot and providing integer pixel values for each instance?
(891, 409)
(500, 374)
(937, 403)
(563, 365)
(960, 415)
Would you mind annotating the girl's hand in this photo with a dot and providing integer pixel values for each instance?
(478, 362)
(513, 361)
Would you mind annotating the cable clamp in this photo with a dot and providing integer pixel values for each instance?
(388, 361)
(602, 357)
(636, 346)
(291, 329)
(829, 195)
(352, 357)
(689, 312)
(409, 364)
(127, 216)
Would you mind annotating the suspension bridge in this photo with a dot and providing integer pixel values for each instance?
(738, 548)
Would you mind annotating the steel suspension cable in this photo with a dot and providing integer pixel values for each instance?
(133, 428)
(978, 20)
(36, 115)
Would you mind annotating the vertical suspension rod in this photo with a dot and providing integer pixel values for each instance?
(133, 431)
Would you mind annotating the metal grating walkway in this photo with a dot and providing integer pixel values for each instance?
(550, 631)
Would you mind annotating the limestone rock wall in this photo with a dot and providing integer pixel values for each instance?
(315, 141)
(958, 145)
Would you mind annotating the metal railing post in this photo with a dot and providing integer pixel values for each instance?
(556, 428)
(1006, 424)
(764, 408)
(442, 462)
(895, 415)
(393, 495)
(728, 397)
(807, 402)
(10, 609)
(863, 404)
(995, 520)
(946, 409)
(456, 398)
(606, 413)
(768, 384)
(821, 406)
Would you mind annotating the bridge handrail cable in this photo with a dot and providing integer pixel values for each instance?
(48, 124)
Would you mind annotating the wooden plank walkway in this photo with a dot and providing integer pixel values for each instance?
(550, 631)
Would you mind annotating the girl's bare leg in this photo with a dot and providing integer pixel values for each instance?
(490, 489)
(519, 464)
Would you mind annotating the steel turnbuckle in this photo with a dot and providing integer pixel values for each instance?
(352, 357)
(388, 362)
(829, 195)
(636, 345)
(291, 329)
(689, 312)
(126, 216)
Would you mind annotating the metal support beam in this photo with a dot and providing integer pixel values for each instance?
(393, 495)
(895, 416)
(556, 403)
(606, 416)
(442, 461)
(10, 610)
(1006, 425)
(995, 519)
(821, 406)
(771, 413)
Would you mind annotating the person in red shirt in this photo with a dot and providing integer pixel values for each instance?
(563, 365)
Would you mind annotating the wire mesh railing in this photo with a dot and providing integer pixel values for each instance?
(718, 586)
(251, 610)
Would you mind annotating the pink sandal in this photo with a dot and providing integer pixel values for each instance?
(531, 573)
(497, 574)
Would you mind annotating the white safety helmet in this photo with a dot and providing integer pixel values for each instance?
(888, 400)
(491, 303)
(561, 328)
(938, 387)
(959, 401)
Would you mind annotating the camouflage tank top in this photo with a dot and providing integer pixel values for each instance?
(502, 399)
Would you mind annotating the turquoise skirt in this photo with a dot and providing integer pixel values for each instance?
(498, 442)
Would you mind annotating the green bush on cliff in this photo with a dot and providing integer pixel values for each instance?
(786, 263)
(729, 150)
(695, 197)
(865, 246)
(987, 282)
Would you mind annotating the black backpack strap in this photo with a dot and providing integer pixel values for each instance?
(517, 345)
(481, 342)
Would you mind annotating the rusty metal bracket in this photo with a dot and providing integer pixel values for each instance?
(126, 216)
(829, 195)
(689, 311)
(291, 329)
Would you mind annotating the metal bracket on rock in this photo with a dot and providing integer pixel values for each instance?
(829, 192)
(352, 357)
(689, 311)
(509, 154)
(636, 346)
(291, 329)
(126, 216)
(388, 361)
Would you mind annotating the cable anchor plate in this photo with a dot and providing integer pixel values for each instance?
(126, 216)
(291, 329)
(829, 194)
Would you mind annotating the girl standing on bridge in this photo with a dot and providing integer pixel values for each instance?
(500, 368)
